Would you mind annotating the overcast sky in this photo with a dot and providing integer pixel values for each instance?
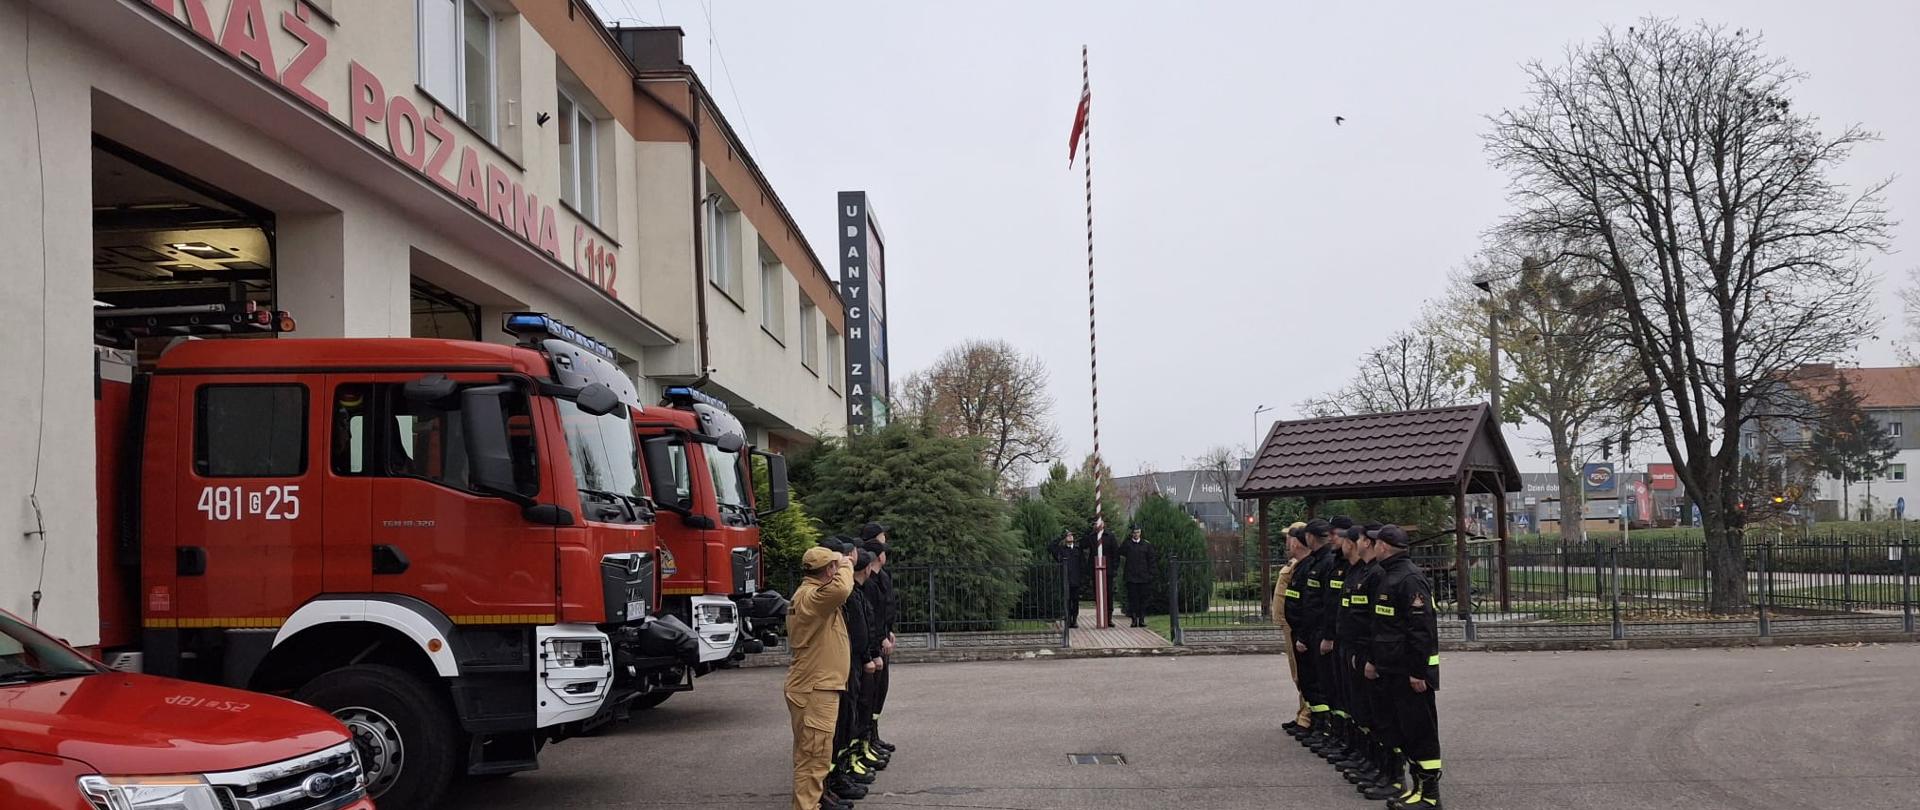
(1248, 250)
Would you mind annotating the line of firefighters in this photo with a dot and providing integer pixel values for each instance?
(840, 628)
(1364, 652)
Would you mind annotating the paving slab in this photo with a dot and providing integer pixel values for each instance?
(1819, 726)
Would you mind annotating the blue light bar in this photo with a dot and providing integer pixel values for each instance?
(535, 325)
(683, 395)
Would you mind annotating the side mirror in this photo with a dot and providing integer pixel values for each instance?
(431, 388)
(777, 490)
(483, 428)
(730, 442)
(597, 399)
(657, 452)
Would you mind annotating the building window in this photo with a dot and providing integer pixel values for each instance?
(457, 57)
(809, 335)
(835, 350)
(773, 294)
(1897, 472)
(250, 431)
(1893, 429)
(579, 159)
(723, 246)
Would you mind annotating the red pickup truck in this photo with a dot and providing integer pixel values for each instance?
(77, 736)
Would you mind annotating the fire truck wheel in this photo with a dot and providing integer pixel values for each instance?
(651, 699)
(403, 730)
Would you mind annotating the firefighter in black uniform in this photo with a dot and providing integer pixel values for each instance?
(1404, 658)
(886, 607)
(1073, 567)
(1140, 558)
(1303, 617)
(1331, 576)
(1349, 640)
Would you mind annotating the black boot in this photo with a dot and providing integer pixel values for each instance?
(1393, 780)
(1415, 797)
(846, 789)
(833, 801)
(1293, 729)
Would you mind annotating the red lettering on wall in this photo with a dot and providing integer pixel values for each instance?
(499, 196)
(549, 235)
(526, 214)
(406, 132)
(442, 150)
(612, 272)
(245, 36)
(197, 18)
(469, 183)
(366, 99)
(294, 78)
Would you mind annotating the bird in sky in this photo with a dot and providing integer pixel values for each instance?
(1339, 119)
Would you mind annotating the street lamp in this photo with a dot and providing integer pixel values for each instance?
(1260, 409)
(1485, 283)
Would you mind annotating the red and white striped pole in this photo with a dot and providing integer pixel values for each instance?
(1102, 612)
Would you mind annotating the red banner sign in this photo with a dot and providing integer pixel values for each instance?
(1662, 476)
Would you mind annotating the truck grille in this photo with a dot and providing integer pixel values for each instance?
(326, 780)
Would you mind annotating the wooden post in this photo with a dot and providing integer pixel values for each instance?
(1462, 574)
(1266, 564)
(1500, 515)
(1313, 508)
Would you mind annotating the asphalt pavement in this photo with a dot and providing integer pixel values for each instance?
(1823, 727)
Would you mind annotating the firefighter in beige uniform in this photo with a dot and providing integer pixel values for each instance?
(818, 638)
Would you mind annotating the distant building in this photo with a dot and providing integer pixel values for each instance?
(1891, 398)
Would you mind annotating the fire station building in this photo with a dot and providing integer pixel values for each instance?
(371, 168)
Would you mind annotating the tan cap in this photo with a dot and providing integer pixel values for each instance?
(817, 558)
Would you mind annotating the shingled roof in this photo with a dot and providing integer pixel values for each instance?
(1383, 455)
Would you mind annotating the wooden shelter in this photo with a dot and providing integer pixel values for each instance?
(1455, 451)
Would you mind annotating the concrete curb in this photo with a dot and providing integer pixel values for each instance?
(947, 656)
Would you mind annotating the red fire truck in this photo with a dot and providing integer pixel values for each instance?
(700, 469)
(447, 544)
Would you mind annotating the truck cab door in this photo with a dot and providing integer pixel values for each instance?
(249, 520)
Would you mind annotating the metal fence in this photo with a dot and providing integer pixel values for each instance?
(1662, 590)
(1599, 592)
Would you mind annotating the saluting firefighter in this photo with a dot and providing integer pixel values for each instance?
(1404, 657)
(1331, 576)
(1073, 566)
(817, 635)
(1303, 622)
(854, 770)
(1140, 558)
(1353, 637)
(1283, 595)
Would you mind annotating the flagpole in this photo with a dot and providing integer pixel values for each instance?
(1101, 598)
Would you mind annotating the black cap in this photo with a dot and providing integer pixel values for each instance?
(1319, 528)
(876, 547)
(1342, 522)
(1298, 533)
(861, 562)
(839, 543)
(1374, 527)
(872, 530)
(1391, 535)
(1353, 532)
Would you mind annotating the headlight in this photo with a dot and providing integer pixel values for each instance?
(575, 653)
(186, 792)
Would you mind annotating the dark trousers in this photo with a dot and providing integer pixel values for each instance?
(1311, 685)
(847, 725)
(1073, 606)
(1326, 668)
(1418, 722)
(1359, 704)
(1386, 724)
(1137, 599)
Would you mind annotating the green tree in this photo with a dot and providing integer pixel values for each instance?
(934, 494)
(1071, 497)
(784, 535)
(1176, 536)
(1038, 524)
(1847, 443)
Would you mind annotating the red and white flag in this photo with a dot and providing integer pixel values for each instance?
(1080, 115)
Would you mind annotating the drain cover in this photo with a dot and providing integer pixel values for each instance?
(1096, 759)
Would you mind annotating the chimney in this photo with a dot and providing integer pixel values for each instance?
(652, 48)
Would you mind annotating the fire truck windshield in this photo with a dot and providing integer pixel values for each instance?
(605, 463)
(728, 488)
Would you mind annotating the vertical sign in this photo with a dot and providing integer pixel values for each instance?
(863, 289)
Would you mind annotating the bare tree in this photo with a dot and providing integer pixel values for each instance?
(1219, 470)
(1910, 318)
(1673, 158)
(1410, 372)
(988, 390)
(1563, 362)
